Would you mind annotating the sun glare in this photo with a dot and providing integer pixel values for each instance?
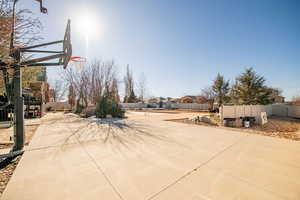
(87, 25)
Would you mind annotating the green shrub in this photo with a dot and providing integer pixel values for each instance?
(88, 111)
(106, 106)
(79, 108)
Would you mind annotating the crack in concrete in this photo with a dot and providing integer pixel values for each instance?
(198, 167)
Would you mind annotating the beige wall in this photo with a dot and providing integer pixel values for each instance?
(237, 111)
(286, 110)
(189, 106)
(255, 111)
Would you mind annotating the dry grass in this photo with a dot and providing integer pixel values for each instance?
(280, 127)
(186, 121)
(288, 128)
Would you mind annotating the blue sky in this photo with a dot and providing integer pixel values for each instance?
(181, 45)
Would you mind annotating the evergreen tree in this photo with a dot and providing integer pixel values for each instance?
(221, 89)
(132, 98)
(250, 89)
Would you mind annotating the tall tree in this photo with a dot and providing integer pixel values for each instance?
(142, 88)
(114, 88)
(58, 90)
(250, 89)
(27, 28)
(71, 96)
(130, 96)
(210, 95)
(275, 95)
(92, 82)
(27, 31)
(221, 89)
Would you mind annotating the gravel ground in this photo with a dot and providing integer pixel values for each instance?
(7, 168)
(280, 127)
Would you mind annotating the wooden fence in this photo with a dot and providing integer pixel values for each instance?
(184, 106)
(133, 105)
(286, 110)
(238, 111)
(189, 106)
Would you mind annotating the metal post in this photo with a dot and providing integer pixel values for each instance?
(18, 110)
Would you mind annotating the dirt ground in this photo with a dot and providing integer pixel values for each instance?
(6, 134)
(280, 127)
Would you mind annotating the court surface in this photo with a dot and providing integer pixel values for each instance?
(144, 157)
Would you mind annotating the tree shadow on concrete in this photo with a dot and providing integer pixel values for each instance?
(116, 132)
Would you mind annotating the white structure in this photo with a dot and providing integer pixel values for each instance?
(238, 111)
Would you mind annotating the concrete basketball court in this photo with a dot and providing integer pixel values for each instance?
(144, 157)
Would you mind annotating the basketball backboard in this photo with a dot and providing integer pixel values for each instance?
(63, 56)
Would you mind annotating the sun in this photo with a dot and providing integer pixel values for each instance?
(87, 25)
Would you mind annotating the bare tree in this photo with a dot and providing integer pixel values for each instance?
(210, 95)
(142, 88)
(92, 82)
(27, 28)
(129, 87)
(115, 90)
(97, 81)
(77, 81)
(58, 90)
(27, 31)
(296, 100)
(71, 96)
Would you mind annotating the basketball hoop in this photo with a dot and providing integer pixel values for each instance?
(77, 59)
(63, 55)
(78, 62)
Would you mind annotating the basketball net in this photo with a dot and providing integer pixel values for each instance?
(78, 62)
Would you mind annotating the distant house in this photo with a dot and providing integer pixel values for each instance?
(279, 99)
(152, 100)
(173, 100)
(193, 99)
(187, 99)
(57, 106)
(201, 99)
